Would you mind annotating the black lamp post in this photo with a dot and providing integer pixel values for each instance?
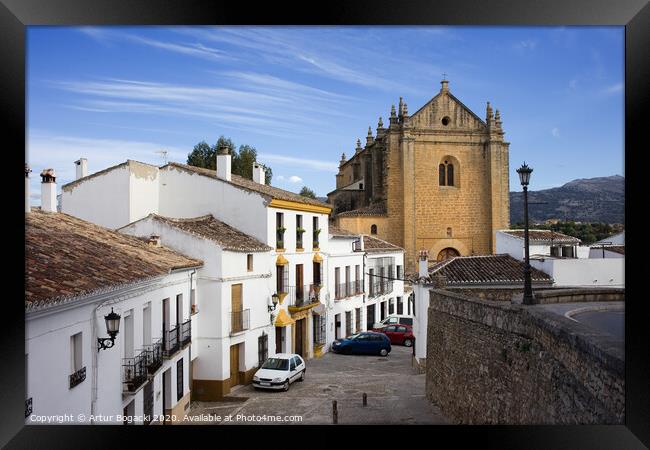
(112, 328)
(275, 298)
(524, 177)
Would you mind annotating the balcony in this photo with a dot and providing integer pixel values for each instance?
(349, 289)
(28, 407)
(153, 355)
(78, 377)
(186, 332)
(302, 296)
(171, 343)
(382, 287)
(134, 372)
(239, 321)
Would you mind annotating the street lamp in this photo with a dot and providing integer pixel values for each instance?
(112, 328)
(524, 177)
(275, 298)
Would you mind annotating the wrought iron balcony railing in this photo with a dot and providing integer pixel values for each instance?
(171, 343)
(78, 377)
(186, 332)
(239, 321)
(153, 355)
(349, 289)
(134, 372)
(303, 295)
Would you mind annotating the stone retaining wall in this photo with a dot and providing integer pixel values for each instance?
(495, 363)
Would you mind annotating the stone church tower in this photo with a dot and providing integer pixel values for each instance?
(436, 180)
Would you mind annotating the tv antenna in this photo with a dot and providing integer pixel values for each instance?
(163, 153)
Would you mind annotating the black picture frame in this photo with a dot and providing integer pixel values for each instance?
(15, 15)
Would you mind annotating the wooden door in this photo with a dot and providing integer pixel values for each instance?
(234, 365)
(278, 339)
(300, 326)
(299, 283)
(237, 319)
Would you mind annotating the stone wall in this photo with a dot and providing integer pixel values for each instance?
(498, 363)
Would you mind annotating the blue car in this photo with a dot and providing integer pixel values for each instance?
(365, 343)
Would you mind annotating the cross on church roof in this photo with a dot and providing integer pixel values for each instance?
(444, 77)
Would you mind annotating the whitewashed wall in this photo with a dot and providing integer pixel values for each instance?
(584, 272)
(47, 345)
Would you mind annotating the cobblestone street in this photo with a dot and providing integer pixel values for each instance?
(395, 394)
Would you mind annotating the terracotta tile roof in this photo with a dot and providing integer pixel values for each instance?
(372, 244)
(66, 257)
(208, 227)
(336, 231)
(378, 209)
(485, 269)
(543, 236)
(620, 249)
(250, 185)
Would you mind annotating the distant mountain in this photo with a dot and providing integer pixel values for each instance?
(585, 200)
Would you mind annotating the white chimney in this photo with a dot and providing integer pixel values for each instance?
(423, 267)
(154, 240)
(258, 173)
(27, 170)
(224, 162)
(82, 167)
(48, 190)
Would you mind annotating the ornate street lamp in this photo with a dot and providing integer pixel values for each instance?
(524, 177)
(112, 328)
(275, 298)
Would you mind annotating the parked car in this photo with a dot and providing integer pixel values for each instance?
(394, 319)
(279, 371)
(365, 343)
(398, 334)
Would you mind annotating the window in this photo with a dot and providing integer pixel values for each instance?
(390, 307)
(316, 273)
(446, 174)
(361, 186)
(179, 379)
(373, 229)
(357, 279)
(76, 352)
(299, 231)
(279, 227)
(193, 305)
(249, 262)
(282, 278)
(315, 232)
(179, 309)
(390, 329)
(555, 251)
(337, 282)
(348, 323)
(400, 306)
(348, 283)
(567, 252)
(448, 231)
(399, 272)
(357, 319)
(146, 324)
(293, 364)
(262, 348)
(401, 329)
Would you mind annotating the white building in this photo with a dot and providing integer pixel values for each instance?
(610, 247)
(561, 256)
(289, 223)
(231, 325)
(77, 273)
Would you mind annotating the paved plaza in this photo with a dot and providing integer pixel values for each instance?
(395, 395)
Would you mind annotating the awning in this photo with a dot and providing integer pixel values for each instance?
(318, 258)
(281, 261)
(283, 319)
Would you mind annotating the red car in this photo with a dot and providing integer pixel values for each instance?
(398, 334)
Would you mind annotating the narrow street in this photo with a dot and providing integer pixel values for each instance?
(395, 395)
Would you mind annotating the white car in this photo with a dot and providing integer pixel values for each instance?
(394, 319)
(279, 371)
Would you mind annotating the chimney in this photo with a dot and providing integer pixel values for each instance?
(48, 190)
(82, 168)
(154, 240)
(423, 267)
(224, 162)
(259, 176)
(27, 170)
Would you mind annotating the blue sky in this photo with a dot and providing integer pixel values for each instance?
(303, 95)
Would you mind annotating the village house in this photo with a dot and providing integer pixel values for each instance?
(232, 325)
(107, 320)
(287, 222)
(564, 259)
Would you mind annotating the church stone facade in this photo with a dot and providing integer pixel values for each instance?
(435, 180)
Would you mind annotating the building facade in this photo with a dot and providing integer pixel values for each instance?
(77, 273)
(437, 180)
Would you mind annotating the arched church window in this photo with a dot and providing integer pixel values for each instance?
(446, 174)
(441, 175)
(447, 253)
(373, 229)
(450, 174)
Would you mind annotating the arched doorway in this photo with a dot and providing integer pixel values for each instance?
(447, 253)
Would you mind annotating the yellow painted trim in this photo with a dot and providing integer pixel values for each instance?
(294, 310)
(316, 249)
(281, 261)
(300, 249)
(297, 206)
(318, 258)
(283, 319)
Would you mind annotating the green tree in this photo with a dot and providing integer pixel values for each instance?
(306, 192)
(242, 162)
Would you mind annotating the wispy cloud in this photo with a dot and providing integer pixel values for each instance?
(314, 164)
(613, 89)
(527, 44)
(555, 132)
